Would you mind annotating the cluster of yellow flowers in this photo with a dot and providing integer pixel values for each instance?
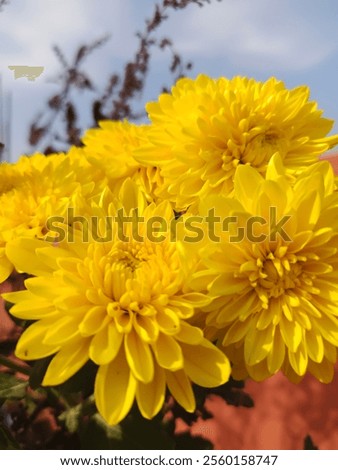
(179, 252)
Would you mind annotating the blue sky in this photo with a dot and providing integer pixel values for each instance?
(294, 40)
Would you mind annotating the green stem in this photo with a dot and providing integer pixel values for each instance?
(55, 396)
(5, 361)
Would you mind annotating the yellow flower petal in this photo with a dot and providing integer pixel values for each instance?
(6, 268)
(189, 334)
(150, 396)
(237, 331)
(28, 306)
(43, 287)
(105, 345)
(168, 353)
(323, 371)
(246, 184)
(61, 330)
(180, 388)
(205, 364)
(139, 357)
(328, 327)
(258, 372)
(93, 321)
(258, 344)
(276, 355)
(168, 321)
(292, 333)
(31, 346)
(115, 388)
(21, 252)
(147, 328)
(314, 346)
(67, 362)
(299, 359)
(51, 258)
(306, 220)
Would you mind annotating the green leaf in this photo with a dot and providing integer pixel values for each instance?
(7, 442)
(98, 435)
(72, 418)
(308, 443)
(12, 387)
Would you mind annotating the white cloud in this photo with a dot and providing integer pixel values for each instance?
(263, 34)
(29, 29)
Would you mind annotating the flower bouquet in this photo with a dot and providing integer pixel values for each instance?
(164, 260)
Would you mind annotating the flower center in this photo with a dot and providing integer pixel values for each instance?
(276, 274)
(255, 150)
(130, 254)
(260, 148)
(275, 279)
(133, 282)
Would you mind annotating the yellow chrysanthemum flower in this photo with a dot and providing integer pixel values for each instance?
(40, 187)
(111, 148)
(206, 127)
(10, 176)
(119, 300)
(273, 273)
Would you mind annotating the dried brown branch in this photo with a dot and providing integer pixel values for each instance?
(3, 3)
(135, 72)
(60, 107)
(117, 101)
(2, 146)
